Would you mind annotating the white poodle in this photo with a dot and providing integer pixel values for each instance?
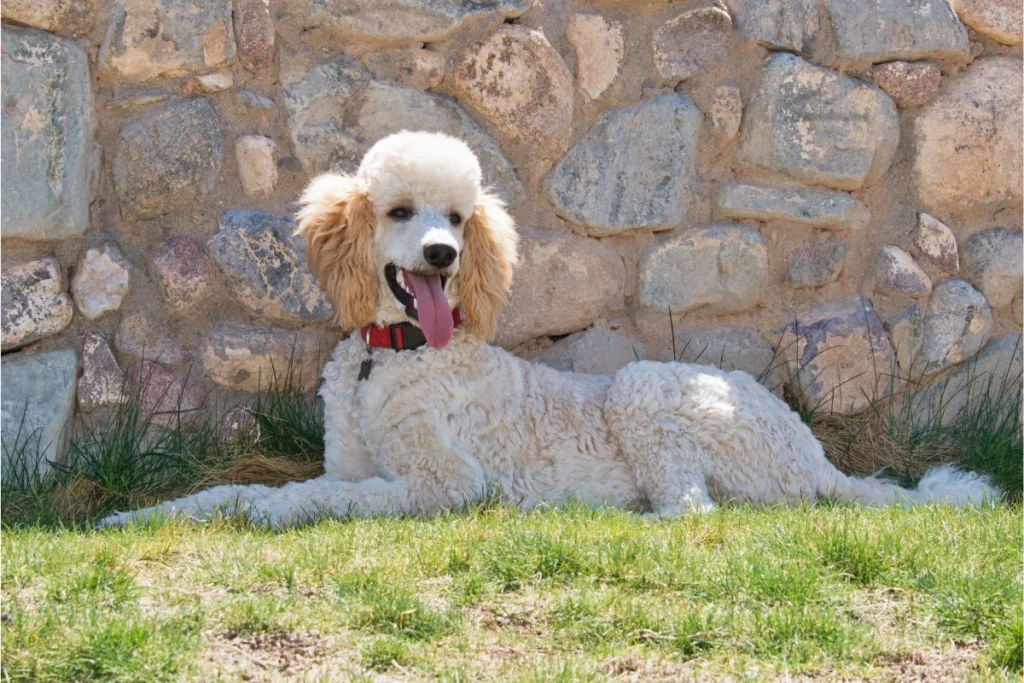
(422, 415)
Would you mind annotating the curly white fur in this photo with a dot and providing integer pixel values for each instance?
(434, 428)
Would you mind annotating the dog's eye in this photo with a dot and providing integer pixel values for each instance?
(400, 213)
(455, 218)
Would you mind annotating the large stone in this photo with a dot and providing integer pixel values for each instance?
(969, 149)
(729, 347)
(593, 352)
(48, 123)
(38, 401)
(935, 243)
(817, 264)
(873, 31)
(780, 24)
(822, 209)
(70, 17)
(693, 42)
(264, 268)
(257, 165)
(168, 160)
(562, 284)
(515, 80)
(254, 33)
(244, 357)
(909, 84)
(992, 379)
(34, 304)
(1000, 20)
(102, 381)
(905, 333)
(141, 338)
(337, 111)
(599, 45)
(100, 281)
(836, 358)
(896, 272)
(631, 170)
(956, 324)
(818, 126)
(181, 270)
(394, 22)
(148, 39)
(721, 267)
(166, 398)
(993, 261)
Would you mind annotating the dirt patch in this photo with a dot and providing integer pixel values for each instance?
(261, 656)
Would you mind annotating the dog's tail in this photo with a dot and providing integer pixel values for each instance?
(944, 484)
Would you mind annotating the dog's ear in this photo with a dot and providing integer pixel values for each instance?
(336, 218)
(485, 271)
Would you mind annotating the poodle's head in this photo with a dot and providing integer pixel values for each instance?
(409, 237)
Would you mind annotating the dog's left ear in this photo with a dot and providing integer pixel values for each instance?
(488, 257)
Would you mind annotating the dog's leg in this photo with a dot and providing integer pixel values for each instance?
(218, 501)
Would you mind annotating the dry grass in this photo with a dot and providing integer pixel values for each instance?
(259, 469)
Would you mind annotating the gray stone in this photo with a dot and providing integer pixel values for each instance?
(38, 401)
(969, 140)
(818, 126)
(265, 269)
(255, 102)
(34, 304)
(168, 160)
(411, 67)
(562, 284)
(935, 243)
(725, 114)
(721, 267)
(149, 39)
(993, 261)
(906, 333)
(896, 272)
(102, 380)
(788, 25)
(730, 347)
(394, 22)
(992, 378)
(816, 265)
(822, 209)
(254, 34)
(594, 352)
(100, 282)
(70, 17)
(181, 270)
(166, 398)
(142, 338)
(48, 123)
(956, 324)
(693, 42)
(253, 358)
(909, 84)
(515, 80)
(999, 20)
(631, 170)
(873, 31)
(337, 111)
(836, 358)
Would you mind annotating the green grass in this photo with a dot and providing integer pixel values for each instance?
(497, 594)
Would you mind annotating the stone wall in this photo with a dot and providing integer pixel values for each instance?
(834, 183)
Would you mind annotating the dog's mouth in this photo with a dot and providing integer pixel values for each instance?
(422, 295)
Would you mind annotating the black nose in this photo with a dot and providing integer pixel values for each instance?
(439, 255)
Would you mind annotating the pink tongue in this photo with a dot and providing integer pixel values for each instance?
(435, 316)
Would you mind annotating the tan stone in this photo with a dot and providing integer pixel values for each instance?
(34, 303)
(599, 45)
(257, 165)
(518, 82)
(409, 68)
(246, 357)
(726, 113)
(209, 83)
(100, 282)
(935, 243)
(58, 16)
(969, 151)
(696, 40)
(1000, 20)
(898, 273)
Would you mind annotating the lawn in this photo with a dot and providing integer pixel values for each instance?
(491, 593)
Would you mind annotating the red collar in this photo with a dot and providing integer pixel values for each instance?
(400, 337)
